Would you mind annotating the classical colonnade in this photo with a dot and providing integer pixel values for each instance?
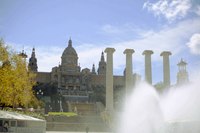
(129, 73)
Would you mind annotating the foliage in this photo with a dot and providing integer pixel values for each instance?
(48, 89)
(68, 114)
(33, 114)
(15, 81)
(98, 94)
(4, 55)
(35, 103)
(159, 86)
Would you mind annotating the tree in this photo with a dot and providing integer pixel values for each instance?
(98, 94)
(16, 81)
(3, 52)
(159, 87)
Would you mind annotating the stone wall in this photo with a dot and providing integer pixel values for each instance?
(76, 123)
(43, 77)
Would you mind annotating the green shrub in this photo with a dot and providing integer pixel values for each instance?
(68, 114)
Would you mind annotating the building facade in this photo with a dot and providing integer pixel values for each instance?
(74, 84)
(68, 82)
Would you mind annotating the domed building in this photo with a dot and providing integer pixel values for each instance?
(69, 83)
(69, 59)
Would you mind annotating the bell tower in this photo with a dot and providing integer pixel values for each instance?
(93, 69)
(102, 65)
(33, 62)
(182, 75)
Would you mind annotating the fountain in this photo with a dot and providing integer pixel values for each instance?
(174, 111)
(177, 110)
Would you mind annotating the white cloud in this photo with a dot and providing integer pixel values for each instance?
(194, 43)
(168, 38)
(197, 10)
(47, 58)
(110, 29)
(170, 9)
(118, 29)
(89, 54)
(195, 72)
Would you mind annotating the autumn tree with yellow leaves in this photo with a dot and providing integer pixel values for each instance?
(16, 81)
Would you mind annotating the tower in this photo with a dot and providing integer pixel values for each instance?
(102, 65)
(23, 55)
(93, 69)
(33, 62)
(182, 75)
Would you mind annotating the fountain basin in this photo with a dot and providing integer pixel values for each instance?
(186, 126)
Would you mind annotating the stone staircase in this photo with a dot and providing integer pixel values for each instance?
(84, 108)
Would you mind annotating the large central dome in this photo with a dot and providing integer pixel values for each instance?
(69, 50)
(69, 58)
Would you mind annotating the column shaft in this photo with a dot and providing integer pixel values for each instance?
(148, 69)
(109, 79)
(129, 68)
(166, 68)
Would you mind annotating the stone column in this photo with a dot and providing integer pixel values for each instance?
(148, 73)
(109, 79)
(129, 68)
(166, 68)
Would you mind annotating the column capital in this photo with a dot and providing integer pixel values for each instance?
(127, 51)
(165, 53)
(109, 50)
(147, 52)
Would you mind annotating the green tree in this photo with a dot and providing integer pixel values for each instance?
(15, 81)
(159, 87)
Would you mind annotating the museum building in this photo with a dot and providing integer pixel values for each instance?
(73, 83)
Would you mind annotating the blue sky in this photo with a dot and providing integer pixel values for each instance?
(93, 25)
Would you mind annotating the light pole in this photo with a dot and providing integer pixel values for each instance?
(39, 94)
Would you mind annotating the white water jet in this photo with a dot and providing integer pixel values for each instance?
(175, 111)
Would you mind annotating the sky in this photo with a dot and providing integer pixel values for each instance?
(94, 25)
